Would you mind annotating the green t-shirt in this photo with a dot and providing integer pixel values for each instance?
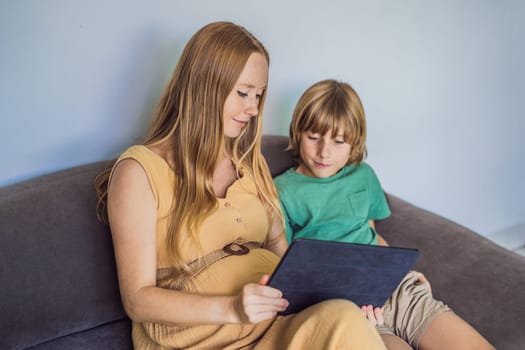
(334, 208)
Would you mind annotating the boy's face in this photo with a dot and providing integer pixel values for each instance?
(321, 155)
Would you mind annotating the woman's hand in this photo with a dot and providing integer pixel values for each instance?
(374, 315)
(258, 302)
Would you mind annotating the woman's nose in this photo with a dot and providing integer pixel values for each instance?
(252, 109)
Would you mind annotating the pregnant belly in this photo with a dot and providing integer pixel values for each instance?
(228, 275)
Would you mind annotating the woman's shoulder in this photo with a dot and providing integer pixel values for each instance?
(147, 157)
(141, 159)
(139, 152)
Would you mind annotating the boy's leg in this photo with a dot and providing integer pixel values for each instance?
(426, 323)
(449, 331)
(393, 342)
(410, 310)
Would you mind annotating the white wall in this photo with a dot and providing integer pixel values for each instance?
(441, 81)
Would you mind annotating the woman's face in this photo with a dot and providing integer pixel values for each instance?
(242, 104)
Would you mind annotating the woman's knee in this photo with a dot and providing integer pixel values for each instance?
(341, 309)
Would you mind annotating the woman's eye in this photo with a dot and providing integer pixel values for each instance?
(340, 142)
(258, 96)
(242, 94)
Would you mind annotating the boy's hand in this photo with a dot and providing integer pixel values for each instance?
(374, 315)
(423, 280)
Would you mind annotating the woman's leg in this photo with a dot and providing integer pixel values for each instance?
(449, 331)
(329, 325)
(393, 342)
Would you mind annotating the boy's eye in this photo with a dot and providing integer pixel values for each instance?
(313, 138)
(242, 94)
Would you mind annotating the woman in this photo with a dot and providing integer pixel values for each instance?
(195, 220)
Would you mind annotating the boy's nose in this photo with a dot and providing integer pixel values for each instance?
(324, 150)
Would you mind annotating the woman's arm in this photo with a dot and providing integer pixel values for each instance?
(132, 216)
(276, 240)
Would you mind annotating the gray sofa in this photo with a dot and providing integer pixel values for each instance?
(59, 284)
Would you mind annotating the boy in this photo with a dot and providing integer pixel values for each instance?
(333, 195)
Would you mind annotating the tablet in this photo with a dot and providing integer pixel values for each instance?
(314, 270)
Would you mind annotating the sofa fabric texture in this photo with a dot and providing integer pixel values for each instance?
(59, 287)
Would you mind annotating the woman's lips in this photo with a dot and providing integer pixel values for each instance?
(240, 122)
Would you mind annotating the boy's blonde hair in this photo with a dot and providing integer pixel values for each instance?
(330, 105)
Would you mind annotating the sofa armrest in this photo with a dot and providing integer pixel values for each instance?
(481, 281)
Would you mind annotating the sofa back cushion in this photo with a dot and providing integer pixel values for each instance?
(57, 268)
(274, 151)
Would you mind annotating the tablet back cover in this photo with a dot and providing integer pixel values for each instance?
(313, 270)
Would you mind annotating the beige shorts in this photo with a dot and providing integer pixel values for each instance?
(410, 310)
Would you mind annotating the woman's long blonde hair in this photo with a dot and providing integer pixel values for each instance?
(189, 116)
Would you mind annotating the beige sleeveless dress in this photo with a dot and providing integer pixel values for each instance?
(335, 324)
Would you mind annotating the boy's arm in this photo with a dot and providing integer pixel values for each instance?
(380, 239)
